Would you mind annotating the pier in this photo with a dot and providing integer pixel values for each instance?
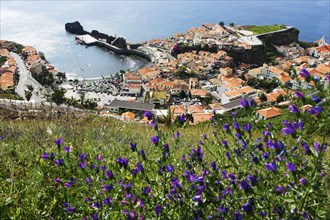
(89, 40)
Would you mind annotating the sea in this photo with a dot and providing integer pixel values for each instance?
(41, 24)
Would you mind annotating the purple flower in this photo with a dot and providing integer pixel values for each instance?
(236, 126)
(88, 180)
(95, 216)
(176, 135)
(132, 146)
(293, 109)
(316, 79)
(158, 209)
(227, 155)
(213, 165)
(58, 142)
(68, 184)
(166, 147)
(317, 146)
(82, 156)
(148, 115)
(306, 148)
(280, 189)
(265, 155)
(96, 205)
(139, 167)
(303, 181)
(271, 166)
(224, 143)
(288, 131)
(108, 187)
(225, 127)
(146, 190)
(291, 167)
(234, 114)
(316, 99)
(244, 103)
(248, 127)
(238, 135)
(143, 155)
(181, 119)
(304, 73)
(82, 164)
(141, 203)
(107, 200)
(67, 149)
(123, 161)
(247, 207)
(45, 156)
(245, 186)
(155, 139)
(68, 208)
(222, 209)
(300, 95)
(58, 180)
(263, 214)
(153, 123)
(59, 162)
(169, 168)
(99, 157)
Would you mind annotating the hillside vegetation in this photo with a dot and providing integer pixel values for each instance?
(233, 167)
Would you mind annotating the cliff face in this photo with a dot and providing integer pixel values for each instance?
(280, 38)
(256, 55)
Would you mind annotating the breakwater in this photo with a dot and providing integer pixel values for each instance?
(115, 44)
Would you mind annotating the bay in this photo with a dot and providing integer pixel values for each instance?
(41, 24)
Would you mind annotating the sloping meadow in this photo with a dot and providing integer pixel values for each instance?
(233, 167)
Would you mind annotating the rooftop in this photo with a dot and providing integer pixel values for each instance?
(131, 105)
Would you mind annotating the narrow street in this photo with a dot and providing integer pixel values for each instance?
(26, 79)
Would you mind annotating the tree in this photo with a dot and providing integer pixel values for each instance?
(28, 95)
(221, 23)
(182, 94)
(231, 24)
(61, 76)
(263, 97)
(280, 98)
(58, 96)
(45, 77)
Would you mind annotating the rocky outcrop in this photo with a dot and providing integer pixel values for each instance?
(75, 28)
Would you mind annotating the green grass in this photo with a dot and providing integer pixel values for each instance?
(27, 181)
(7, 95)
(265, 28)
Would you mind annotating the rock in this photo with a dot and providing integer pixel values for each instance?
(75, 28)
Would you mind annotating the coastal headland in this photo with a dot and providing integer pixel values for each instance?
(115, 44)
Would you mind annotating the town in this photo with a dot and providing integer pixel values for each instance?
(209, 70)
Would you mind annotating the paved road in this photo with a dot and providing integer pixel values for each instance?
(26, 79)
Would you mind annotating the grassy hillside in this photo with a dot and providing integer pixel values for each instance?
(232, 167)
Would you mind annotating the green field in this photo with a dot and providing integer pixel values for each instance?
(265, 28)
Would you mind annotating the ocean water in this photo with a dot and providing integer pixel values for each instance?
(41, 24)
